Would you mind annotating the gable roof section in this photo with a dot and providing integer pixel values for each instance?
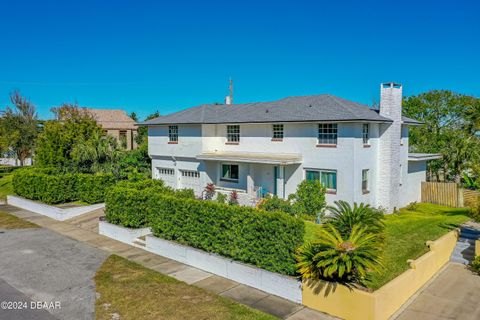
(112, 119)
(323, 107)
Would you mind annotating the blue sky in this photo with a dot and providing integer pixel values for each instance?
(144, 56)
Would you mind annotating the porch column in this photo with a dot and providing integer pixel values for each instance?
(250, 182)
(281, 182)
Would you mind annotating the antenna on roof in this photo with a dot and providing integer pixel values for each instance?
(229, 98)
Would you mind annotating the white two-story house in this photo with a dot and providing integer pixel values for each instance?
(358, 153)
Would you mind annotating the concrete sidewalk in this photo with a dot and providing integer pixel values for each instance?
(85, 229)
(453, 294)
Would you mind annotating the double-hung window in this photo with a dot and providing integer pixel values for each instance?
(229, 172)
(366, 133)
(233, 134)
(328, 178)
(173, 134)
(277, 132)
(327, 134)
(365, 173)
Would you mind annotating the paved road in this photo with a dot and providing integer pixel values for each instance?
(454, 294)
(48, 267)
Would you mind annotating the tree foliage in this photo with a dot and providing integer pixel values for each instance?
(58, 144)
(18, 128)
(452, 124)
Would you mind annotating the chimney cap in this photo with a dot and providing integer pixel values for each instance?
(387, 85)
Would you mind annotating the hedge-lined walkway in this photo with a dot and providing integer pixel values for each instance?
(85, 228)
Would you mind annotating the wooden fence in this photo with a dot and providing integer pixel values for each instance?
(448, 194)
(443, 193)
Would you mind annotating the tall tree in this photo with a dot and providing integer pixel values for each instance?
(143, 131)
(18, 128)
(451, 121)
(72, 126)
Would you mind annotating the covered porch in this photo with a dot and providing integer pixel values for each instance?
(252, 174)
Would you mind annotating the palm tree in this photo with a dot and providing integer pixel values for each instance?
(344, 260)
(97, 154)
(344, 217)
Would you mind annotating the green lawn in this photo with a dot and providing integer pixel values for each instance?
(134, 292)
(6, 187)
(405, 236)
(8, 221)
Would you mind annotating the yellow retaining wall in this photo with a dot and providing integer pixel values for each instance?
(477, 248)
(384, 302)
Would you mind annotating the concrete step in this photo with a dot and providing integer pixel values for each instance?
(460, 260)
(466, 241)
(470, 235)
(140, 243)
(464, 251)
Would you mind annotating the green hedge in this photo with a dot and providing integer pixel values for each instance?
(51, 187)
(128, 203)
(265, 239)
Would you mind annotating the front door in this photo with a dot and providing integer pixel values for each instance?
(275, 177)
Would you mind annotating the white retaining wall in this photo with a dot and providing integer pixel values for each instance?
(122, 234)
(51, 211)
(273, 283)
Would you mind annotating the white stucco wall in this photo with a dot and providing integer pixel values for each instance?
(416, 174)
(348, 158)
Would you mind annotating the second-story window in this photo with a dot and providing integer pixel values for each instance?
(277, 132)
(327, 133)
(233, 133)
(173, 134)
(366, 133)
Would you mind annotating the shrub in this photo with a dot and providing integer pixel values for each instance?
(265, 239)
(47, 188)
(51, 186)
(221, 197)
(233, 198)
(336, 258)
(475, 265)
(91, 187)
(276, 204)
(412, 206)
(129, 203)
(209, 191)
(475, 210)
(127, 207)
(309, 199)
(345, 218)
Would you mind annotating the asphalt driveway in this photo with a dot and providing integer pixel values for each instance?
(43, 266)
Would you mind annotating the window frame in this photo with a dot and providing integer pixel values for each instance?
(278, 132)
(322, 171)
(327, 134)
(222, 178)
(173, 134)
(366, 134)
(365, 180)
(231, 135)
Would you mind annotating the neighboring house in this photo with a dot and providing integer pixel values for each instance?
(117, 124)
(359, 154)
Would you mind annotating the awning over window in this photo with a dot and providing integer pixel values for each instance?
(423, 156)
(253, 157)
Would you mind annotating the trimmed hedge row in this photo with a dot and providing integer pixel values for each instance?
(128, 203)
(51, 187)
(265, 239)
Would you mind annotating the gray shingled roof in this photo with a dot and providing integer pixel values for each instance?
(322, 107)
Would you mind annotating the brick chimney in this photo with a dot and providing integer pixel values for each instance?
(389, 175)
